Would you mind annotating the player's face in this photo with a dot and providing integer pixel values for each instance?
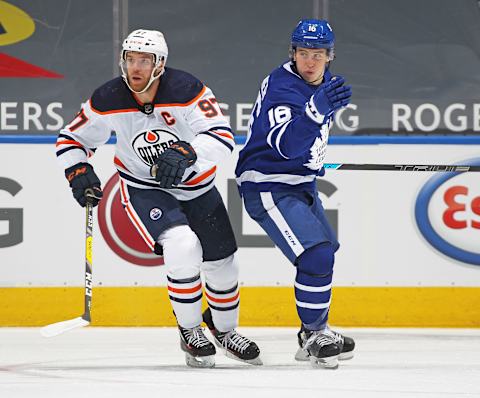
(311, 63)
(139, 69)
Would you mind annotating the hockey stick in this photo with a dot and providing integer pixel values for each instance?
(402, 167)
(57, 328)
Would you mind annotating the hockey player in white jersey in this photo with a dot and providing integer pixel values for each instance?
(171, 135)
(276, 173)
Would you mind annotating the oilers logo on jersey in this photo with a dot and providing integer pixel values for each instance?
(148, 145)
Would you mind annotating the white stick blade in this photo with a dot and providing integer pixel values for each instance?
(61, 327)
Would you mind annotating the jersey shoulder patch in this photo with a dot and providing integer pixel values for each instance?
(178, 87)
(111, 96)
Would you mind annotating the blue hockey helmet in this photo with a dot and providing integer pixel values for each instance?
(314, 33)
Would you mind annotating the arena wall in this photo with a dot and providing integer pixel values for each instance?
(409, 251)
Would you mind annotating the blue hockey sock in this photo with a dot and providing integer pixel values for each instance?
(313, 285)
(312, 294)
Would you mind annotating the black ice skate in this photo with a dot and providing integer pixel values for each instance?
(347, 344)
(322, 350)
(199, 351)
(235, 345)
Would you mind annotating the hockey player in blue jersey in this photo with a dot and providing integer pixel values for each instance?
(276, 173)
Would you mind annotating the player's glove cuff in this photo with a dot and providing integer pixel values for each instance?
(313, 113)
(170, 166)
(186, 150)
(84, 183)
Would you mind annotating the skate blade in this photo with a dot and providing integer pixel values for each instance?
(345, 356)
(326, 363)
(255, 361)
(200, 362)
(302, 355)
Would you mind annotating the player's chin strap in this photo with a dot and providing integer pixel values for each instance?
(152, 78)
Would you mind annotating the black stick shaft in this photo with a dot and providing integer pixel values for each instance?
(88, 260)
(403, 167)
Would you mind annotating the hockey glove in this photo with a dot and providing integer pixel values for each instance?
(170, 166)
(328, 98)
(82, 177)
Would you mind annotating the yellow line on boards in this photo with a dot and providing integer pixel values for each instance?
(259, 306)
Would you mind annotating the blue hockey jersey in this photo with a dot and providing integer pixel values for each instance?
(285, 148)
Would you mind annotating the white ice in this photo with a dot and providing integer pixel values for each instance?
(147, 362)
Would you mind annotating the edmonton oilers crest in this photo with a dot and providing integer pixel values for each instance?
(149, 144)
(447, 212)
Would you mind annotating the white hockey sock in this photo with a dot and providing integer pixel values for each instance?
(182, 252)
(222, 292)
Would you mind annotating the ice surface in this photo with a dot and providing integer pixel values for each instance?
(147, 362)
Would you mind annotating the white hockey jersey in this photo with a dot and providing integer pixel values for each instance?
(184, 109)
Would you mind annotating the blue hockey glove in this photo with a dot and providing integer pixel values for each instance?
(328, 98)
(170, 166)
(82, 177)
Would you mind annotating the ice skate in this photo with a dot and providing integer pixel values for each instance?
(347, 344)
(234, 344)
(199, 351)
(320, 349)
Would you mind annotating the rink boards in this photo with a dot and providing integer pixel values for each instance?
(410, 253)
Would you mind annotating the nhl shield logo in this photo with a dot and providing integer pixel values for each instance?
(149, 144)
(155, 213)
(148, 109)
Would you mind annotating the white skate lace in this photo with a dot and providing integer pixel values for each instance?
(320, 338)
(337, 337)
(234, 341)
(195, 336)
